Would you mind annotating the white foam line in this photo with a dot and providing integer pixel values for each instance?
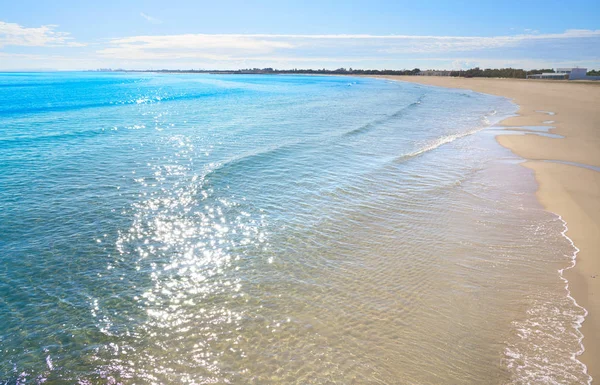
(451, 138)
(546, 112)
(439, 142)
(580, 319)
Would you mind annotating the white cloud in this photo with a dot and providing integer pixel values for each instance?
(431, 44)
(13, 61)
(232, 51)
(214, 47)
(151, 19)
(241, 46)
(21, 61)
(44, 36)
(472, 62)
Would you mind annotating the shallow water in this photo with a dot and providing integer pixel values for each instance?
(272, 229)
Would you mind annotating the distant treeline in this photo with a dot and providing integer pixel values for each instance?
(470, 73)
(339, 71)
(498, 73)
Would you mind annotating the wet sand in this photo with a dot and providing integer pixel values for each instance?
(569, 190)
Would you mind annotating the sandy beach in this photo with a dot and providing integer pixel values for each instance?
(567, 189)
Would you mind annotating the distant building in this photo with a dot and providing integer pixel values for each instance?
(574, 73)
(549, 75)
(565, 73)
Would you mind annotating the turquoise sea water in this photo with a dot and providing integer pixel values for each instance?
(271, 229)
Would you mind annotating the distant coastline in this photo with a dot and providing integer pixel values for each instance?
(511, 73)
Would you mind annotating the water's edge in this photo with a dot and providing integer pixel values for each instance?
(564, 232)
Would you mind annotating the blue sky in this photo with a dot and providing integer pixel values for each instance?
(173, 34)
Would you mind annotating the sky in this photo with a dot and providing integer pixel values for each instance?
(224, 34)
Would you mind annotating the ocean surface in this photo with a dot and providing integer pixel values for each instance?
(233, 229)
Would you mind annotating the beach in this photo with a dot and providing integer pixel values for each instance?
(278, 229)
(571, 190)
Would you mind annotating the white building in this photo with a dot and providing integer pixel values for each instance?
(565, 73)
(574, 73)
(550, 75)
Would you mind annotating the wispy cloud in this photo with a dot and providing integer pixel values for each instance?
(237, 47)
(44, 36)
(216, 47)
(231, 51)
(151, 19)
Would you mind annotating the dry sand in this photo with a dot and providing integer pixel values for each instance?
(571, 191)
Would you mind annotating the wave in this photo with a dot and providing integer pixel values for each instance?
(375, 123)
(78, 83)
(432, 145)
(49, 138)
(133, 101)
(435, 143)
(221, 169)
(272, 152)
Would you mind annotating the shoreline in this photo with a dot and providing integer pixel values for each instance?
(565, 170)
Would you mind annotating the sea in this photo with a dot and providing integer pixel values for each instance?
(269, 229)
